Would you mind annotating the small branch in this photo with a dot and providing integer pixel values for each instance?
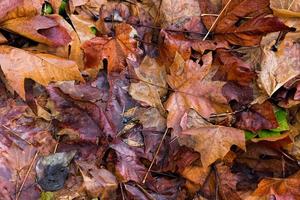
(215, 22)
(155, 155)
(27, 174)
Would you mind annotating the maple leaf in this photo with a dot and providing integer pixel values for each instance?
(171, 44)
(17, 65)
(115, 50)
(279, 188)
(71, 51)
(192, 91)
(152, 85)
(212, 141)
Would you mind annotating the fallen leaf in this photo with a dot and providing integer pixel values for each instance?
(213, 142)
(191, 90)
(128, 167)
(233, 68)
(115, 50)
(278, 188)
(97, 182)
(152, 84)
(17, 65)
(258, 117)
(39, 28)
(176, 12)
(8, 5)
(285, 8)
(282, 65)
(247, 32)
(171, 44)
(82, 25)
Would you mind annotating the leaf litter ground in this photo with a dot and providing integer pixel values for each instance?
(158, 99)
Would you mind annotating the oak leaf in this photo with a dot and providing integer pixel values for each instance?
(17, 65)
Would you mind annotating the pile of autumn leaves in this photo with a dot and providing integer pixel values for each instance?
(125, 84)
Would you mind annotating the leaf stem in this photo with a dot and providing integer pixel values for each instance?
(215, 22)
(155, 155)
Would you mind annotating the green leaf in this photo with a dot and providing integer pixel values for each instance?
(94, 30)
(47, 196)
(47, 9)
(63, 6)
(281, 116)
(249, 135)
(267, 133)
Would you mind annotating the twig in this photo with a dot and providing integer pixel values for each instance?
(215, 22)
(291, 5)
(145, 192)
(155, 27)
(154, 157)
(16, 135)
(122, 192)
(56, 145)
(27, 173)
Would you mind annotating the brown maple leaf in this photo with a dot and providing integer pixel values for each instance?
(191, 90)
(114, 49)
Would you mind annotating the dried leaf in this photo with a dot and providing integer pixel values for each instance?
(152, 84)
(187, 79)
(97, 182)
(115, 50)
(278, 67)
(39, 28)
(17, 65)
(278, 188)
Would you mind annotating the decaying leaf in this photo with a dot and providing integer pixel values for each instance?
(17, 65)
(98, 182)
(152, 84)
